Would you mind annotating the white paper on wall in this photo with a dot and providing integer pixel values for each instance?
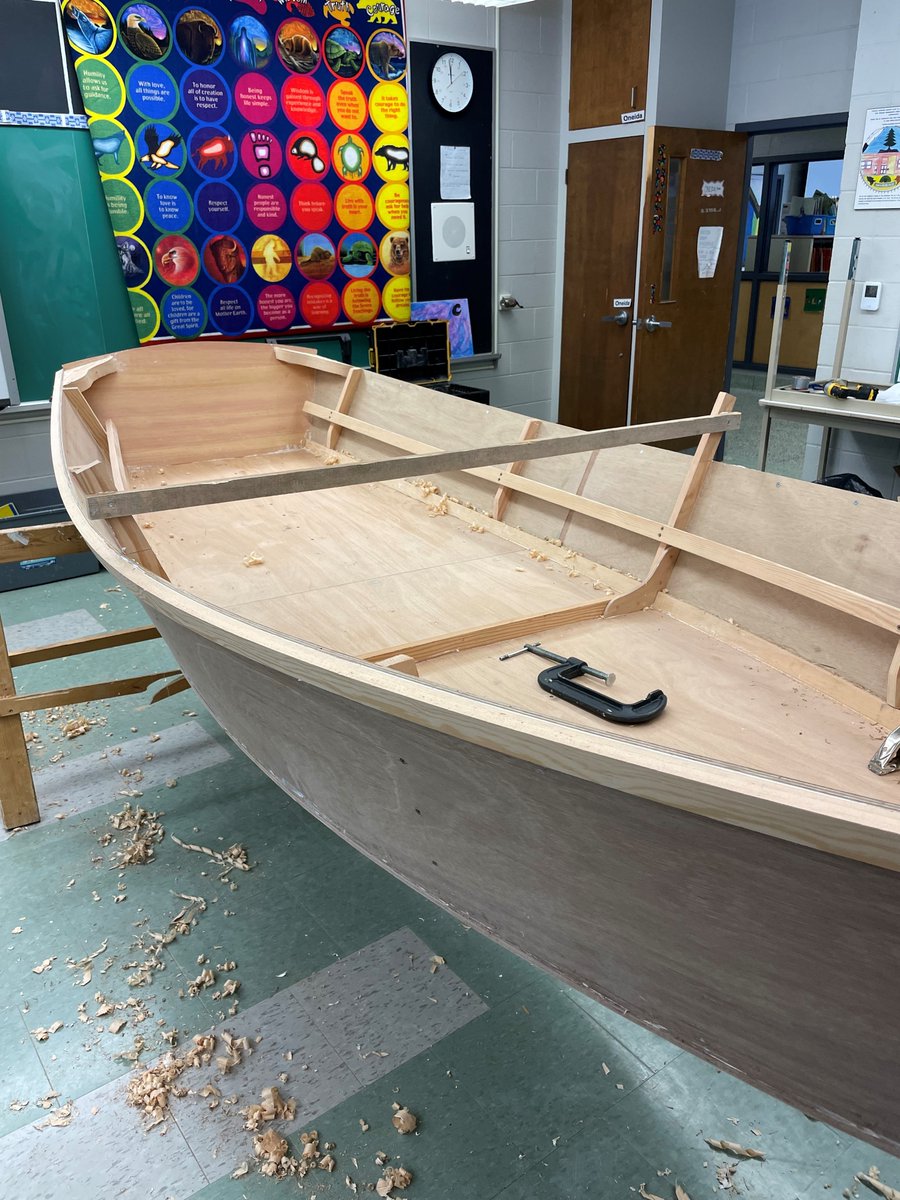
(452, 232)
(709, 243)
(456, 179)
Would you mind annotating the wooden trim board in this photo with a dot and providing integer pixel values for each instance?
(105, 505)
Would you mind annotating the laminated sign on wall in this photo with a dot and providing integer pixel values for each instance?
(878, 182)
(254, 159)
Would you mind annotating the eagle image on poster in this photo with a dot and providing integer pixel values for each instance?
(254, 156)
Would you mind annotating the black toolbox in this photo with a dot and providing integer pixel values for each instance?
(41, 507)
(419, 352)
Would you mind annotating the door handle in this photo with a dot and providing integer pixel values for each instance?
(619, 318)
(650, 323)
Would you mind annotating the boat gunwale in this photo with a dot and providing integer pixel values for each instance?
(851, 826)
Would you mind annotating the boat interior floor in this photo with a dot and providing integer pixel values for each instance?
(381, 570)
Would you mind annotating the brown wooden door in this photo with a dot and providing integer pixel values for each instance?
(603, 201)
(608, 68)
(695, 182)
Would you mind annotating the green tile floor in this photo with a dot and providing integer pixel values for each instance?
(513, 1096)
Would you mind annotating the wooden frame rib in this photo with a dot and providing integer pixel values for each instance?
(88, 417)
(484, 635)
(348, 391)
(666, 557)
(503, 495)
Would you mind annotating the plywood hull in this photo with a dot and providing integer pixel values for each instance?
(772, 960)
(728, 875)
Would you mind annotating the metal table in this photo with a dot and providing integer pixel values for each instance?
(815, 408)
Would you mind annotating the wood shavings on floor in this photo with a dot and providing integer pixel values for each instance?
(734, 1148)
(152, 1089)
(86, 965)
(403, 1120)
(146, 832)
(872, 1179)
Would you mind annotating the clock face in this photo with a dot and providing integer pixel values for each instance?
(452, 82)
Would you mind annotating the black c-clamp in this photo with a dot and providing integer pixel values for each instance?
(559, 681)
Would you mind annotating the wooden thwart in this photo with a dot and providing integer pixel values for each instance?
(119, 504)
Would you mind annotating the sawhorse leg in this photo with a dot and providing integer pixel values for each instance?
(18, 802)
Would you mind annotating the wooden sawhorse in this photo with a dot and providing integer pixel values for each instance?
(18, 801)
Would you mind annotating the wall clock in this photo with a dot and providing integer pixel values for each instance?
(452, 84)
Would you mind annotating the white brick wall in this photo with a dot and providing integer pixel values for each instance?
(871, 350)
(528, 62)
(530, 157)
(791, 58)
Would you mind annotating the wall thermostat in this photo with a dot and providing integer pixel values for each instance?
(870, 299)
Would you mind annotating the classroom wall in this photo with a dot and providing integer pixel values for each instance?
(791, 58)
(528, 43)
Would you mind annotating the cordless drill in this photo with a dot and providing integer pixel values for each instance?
(839, 389)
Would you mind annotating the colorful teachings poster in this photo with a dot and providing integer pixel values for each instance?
(254, 156)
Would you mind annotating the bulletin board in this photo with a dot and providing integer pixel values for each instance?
(432, 129)
(254, 159)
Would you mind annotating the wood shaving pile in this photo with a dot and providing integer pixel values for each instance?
(440, 509)
(436, 960)
(146, 832)
(254, 560)
(60, 1117)
(272, 1107)
(205, 979)
(403, 1120)
(237, 1048)
(46, 965)
(393, 1177)
(151, 1089)
(725, 1176)
(275, 1159)
(76, 727)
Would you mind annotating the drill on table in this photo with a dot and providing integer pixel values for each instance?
(839, 389)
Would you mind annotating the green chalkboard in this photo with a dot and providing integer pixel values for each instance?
(63, 292)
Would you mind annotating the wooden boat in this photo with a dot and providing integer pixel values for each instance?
(338, 562)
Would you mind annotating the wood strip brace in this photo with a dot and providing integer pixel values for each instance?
(644, 595)
(503, 494)
(81, 694)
